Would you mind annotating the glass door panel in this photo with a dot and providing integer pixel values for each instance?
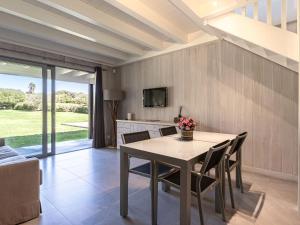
(21, 108)
(72, 110)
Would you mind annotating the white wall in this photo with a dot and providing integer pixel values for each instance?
(226, 89)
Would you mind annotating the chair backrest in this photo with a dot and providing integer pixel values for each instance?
(237, 143)
(214, 156)
(165, 131)
(135, 136)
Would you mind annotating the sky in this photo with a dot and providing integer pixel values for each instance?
(21, 83)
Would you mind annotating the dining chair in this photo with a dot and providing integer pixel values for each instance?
(200, 182)
(144, 169)
(165, 131)
(230, 164)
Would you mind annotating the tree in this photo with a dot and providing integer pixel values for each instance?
(10, 97)
(31, 88)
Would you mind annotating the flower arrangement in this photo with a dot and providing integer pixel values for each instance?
(186, 124)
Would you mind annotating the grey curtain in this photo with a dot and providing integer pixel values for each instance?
(98, 134)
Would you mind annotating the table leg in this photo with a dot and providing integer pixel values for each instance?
(123, 183)
(154, 191)
(185, 194)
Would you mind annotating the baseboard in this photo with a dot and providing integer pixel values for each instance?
(269, 173)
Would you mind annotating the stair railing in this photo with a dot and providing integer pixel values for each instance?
(269, 20)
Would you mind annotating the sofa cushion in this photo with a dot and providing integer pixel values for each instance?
(7, 154)
(6, 151)
(14, 159)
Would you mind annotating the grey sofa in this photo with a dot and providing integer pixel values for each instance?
(20, 181)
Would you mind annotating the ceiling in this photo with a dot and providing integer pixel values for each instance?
(61, 74)
(109, 32)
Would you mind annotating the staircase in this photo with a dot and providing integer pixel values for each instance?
(239, 23)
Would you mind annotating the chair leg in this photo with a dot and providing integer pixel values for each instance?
(41, 210)
(241, 179)
(200, 209)
(237, 177)
(230, 187)
(221, 201)
(200, 204)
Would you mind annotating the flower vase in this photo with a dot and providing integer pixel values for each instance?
(187, 135)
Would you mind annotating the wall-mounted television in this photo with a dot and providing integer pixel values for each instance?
(155, 97)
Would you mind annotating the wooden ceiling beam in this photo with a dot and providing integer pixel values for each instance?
(47, 18)
(90, 14)
(23, 26)
(146, 15)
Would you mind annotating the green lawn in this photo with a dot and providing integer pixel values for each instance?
(22, 128)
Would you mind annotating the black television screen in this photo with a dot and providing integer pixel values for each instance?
(155, 97)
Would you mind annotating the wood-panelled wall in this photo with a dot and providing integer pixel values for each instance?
(226, 89)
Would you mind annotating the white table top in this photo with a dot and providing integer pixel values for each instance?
(172, 146)
(210, 136)
(152, 122)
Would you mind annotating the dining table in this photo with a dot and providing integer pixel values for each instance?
(174, 151)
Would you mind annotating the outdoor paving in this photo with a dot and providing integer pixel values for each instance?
(61, 147)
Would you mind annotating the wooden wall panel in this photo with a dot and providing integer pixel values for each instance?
(226, 89)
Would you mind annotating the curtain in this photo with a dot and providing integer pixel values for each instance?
(91, 110)
(98, 134)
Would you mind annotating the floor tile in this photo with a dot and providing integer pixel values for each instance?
(82, 188)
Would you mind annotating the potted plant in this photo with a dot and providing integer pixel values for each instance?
(187, 126)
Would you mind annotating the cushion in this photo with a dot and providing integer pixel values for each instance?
(7, 154)
(13, 159)
(6, 151)
(206, 181)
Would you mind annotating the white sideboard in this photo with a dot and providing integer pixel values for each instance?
(128, 126)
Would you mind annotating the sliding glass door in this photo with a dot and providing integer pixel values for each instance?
(44, 110)
(22, 104)
(72, 110)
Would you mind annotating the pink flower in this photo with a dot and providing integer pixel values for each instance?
(186, 123)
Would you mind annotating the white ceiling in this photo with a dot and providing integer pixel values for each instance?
(62, 74)
(109, 32)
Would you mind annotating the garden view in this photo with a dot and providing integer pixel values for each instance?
(21, 116)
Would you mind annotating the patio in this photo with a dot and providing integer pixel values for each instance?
(61, 147)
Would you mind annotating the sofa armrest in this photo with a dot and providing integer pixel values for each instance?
(2, 142)
(20, 191)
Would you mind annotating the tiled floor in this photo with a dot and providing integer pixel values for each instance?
(83, 188)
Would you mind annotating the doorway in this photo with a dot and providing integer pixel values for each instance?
(44, 110)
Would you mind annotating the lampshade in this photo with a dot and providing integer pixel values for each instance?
(112, 95)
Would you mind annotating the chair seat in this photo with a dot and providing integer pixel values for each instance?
(174, 178)
(145, 169)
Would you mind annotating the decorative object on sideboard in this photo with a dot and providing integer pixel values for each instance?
(187, 126)
(176, 119)
(130, 116)
(113, 98)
